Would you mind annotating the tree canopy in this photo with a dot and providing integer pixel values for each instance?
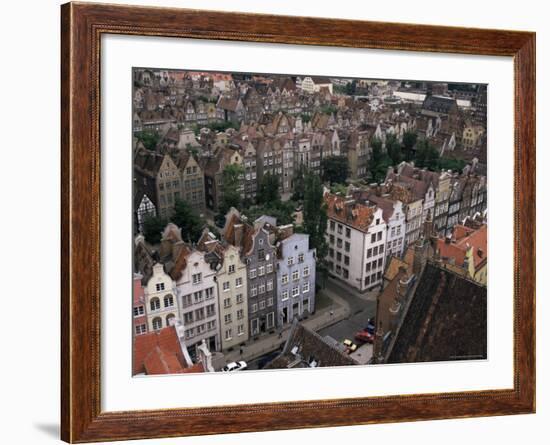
(231, 180)
(269, 189)
(149, 139)
(335, 169)
(315, 216)
(152, 228)
(188, 220)
(378, 162)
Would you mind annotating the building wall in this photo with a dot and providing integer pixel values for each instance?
(139, 309)
(262, 301)
(395, 239)
(160, 297)
(295, 278)
(198, 303)
(168, 183)
(192, 180)
(233, 299)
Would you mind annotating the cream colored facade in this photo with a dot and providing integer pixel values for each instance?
(232, 294)
(160, 297)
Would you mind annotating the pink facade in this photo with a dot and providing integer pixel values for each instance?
(139, 308)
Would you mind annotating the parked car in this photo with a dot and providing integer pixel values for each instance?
(234, 366)
(371, 325)
(364, 336)
(350, 346)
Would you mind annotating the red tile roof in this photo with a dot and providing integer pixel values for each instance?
(159, 352)
(358, 216)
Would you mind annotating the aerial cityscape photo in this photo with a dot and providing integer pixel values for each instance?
(296, 221)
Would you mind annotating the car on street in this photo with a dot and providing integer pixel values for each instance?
(350, 346)
(364, 336)
(235, 366)
(371, 325)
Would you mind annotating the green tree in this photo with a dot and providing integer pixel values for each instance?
(149, 139)
(298, 183)
(426, 155)
(188, 220)
(335, 169)
(231, 180)
(393, 148)
(152, 228)
(378, 162)
(351, 87)
(315, 217)
(409, 141)
(269, 189)
(451, 164)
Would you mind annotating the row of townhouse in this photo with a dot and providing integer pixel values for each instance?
(258, 278)
(371, 224)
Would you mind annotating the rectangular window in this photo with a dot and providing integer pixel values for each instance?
(226, 286)
(240, 314)
(199, 314)
(262, 304)
(254, 291)
(240, 329)
(227, 302)
(284, 295)
(254, 326)
(347, 246)
(332, 225)
(331, 237)
(290, 261)
(239, 298)
(348, 232)
(375, 251)
(209, 293)
(139, 310)
(373, 238)
(346, 260)
(197, 296)
(331, 252)
(261, 271)
(338, 242)
(340, 228)
(252, 273)
(197, 278)
(305, 272)
(284, 279)
(380, 262)
(295, 291)
(188, 317)
(369, 253)
(227, 318)
(231, 268)
(261, 289)
(270, 301)
(296, 275)
(367, 281)
(239, 282)
(379, 236)
(141, 329)
(270, 285)
(381, 248)
(338, 256)
(254, 308)
(305, 287)
(228, 334)
(269, 268)
(301, 258)
(190, 333)
(367, 269)
(345, 273)
(160, 286)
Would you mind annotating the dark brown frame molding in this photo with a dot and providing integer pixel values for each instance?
(81, 28)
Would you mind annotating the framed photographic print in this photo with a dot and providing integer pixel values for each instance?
(276, 222)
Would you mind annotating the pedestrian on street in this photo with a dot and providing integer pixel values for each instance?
(241, 350)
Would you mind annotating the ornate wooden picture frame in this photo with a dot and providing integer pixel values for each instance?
(82, 26)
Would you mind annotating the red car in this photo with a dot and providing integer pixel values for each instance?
(364, 336)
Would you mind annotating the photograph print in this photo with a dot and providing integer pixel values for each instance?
(297, 221)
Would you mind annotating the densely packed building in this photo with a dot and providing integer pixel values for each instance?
(258, 277)
(203, 122)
